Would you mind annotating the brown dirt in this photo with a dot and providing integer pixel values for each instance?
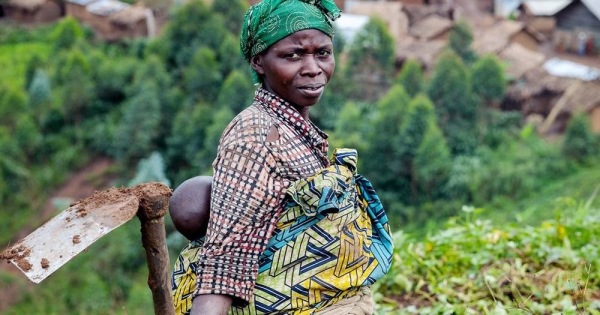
(80, 185)
(19, 254)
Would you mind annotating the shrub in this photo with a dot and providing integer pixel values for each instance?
(578, 143)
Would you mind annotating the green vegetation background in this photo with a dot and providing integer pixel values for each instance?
(488, 216)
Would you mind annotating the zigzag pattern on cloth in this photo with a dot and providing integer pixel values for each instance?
(331, 238)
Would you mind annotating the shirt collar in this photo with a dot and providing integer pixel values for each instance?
(286, 112)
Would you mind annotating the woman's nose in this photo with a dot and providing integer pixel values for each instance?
(311, 66)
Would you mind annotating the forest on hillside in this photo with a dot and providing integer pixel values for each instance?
(489, 217)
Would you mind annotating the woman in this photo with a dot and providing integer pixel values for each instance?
(263, 151)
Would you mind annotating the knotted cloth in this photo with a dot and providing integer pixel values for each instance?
(269, 21)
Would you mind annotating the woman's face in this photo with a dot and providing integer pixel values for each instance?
(297, 68)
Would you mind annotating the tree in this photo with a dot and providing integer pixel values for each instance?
(383, 139)
(187, 138)
(488, 79)
(432, 163)
(411, 77)
(371, 59)
(13, 102)
(352, 124)
(229, 56)
(27, 135)
(40, 95)
(113, 77)
(451, 91)
(138, 128)
(150, 169)
(460, 40)
(66, 34)
(419, 116)
(236, 93)
(77, 86)
(233, 13)
(325, 113)
(191, 27)
(202, 77)
(578, 143)
(34, 64)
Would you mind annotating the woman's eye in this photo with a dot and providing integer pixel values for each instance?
(324, 53)
(292, 56)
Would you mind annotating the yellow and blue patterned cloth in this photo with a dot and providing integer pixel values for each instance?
(332, 238)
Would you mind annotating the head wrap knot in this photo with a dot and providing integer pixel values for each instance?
(269, 21)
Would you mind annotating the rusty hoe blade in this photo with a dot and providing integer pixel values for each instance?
(72, 231)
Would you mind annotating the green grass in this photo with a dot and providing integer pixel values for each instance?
(14, 59)
(541, 205)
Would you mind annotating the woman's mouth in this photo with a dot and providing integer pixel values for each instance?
(312, 90)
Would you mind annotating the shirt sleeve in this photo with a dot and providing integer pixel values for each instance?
(245, 203)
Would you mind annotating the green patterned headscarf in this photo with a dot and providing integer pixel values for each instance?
(269, 21)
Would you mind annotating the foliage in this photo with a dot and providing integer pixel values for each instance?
(411, 77)
(579, 143)
(233, 13)
(192, 26)
(76, 86)
(382, 140)
(34, 64)
(66, 34)
(186, 139)
(432, 163)
(202, 78)
(419, 117)
(488, 79)
(13, 102)
(371, 60)
(17, 64)
(353, 121)
(39, 93)
(236, 92)
(475, 267)
(451, 91)
(139, 125)
(460, 40)
(113, 77)
(137, 101)
(229, 56)
(150, 169)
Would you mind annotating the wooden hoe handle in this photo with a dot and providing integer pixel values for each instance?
(154, 204)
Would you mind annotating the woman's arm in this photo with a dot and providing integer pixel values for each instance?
(246, 192)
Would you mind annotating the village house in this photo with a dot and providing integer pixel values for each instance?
(573, 25)
(111, 19)
(31, 11)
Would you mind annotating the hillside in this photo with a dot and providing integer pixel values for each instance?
(472, 189)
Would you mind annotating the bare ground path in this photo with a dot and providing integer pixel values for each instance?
(82, 184)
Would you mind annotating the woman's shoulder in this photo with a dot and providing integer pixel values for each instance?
(250, 125)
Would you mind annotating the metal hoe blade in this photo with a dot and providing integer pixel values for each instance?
(72, 231)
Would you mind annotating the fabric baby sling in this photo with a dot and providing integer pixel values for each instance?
(331, 239)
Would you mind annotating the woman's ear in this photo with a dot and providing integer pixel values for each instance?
(256, 62)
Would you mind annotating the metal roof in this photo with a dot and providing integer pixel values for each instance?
(546, 7)
(593, 6)
(106, 7)
(570, 69)
(81, 2)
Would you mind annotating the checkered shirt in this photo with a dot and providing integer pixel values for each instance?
(251, 176)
